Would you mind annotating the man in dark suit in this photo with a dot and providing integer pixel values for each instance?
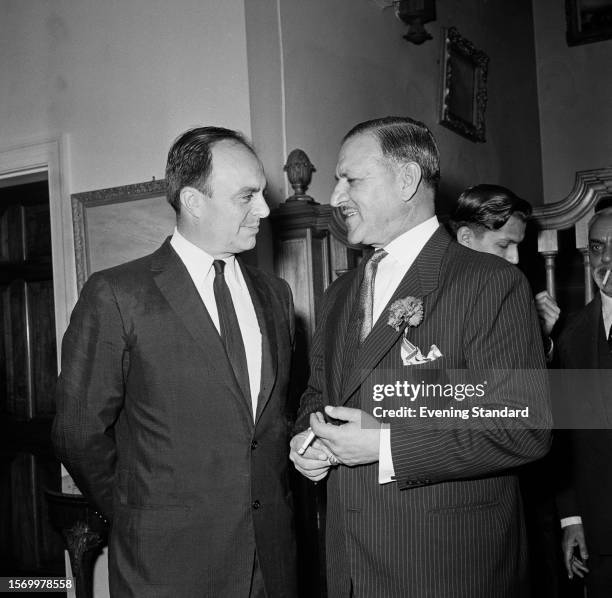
(419, 507)
(585, 347)
(493, 219)
(171, 405)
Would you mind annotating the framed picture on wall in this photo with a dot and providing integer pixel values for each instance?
(464, 86)
(113, 226)
(588, 21)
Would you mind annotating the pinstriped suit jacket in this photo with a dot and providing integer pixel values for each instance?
(451, 524)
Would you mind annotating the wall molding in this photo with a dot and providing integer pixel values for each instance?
(51, 156)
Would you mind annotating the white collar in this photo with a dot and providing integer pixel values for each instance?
(197, 261)
(408, 245)
(606, 304)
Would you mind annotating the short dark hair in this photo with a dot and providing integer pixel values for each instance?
(487, 207)
(405, 140)
(189, 161)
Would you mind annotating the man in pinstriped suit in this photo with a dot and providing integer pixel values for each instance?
(417, 508)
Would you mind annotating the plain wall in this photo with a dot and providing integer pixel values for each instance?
(121, 77)
(346, 61)
(575, 94)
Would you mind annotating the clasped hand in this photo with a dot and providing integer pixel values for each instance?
(354, 442)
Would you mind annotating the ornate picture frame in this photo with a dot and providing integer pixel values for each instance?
(463, 86)
(116, 225)
(588, 21)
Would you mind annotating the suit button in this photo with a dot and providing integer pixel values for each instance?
(253, 445)
(256, 504)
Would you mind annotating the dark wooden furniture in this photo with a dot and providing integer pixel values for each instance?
(85, 532)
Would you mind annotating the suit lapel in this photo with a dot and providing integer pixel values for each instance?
(585, 342)
(596, 329)
(265, 319)
(175, 284)
(339, 336)
(419, 281)
(587, 336)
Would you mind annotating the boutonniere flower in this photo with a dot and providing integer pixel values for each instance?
(405, 312)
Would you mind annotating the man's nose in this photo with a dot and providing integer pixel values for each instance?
(512, 255)
(260, 207)
(338, 196)
(606, 256)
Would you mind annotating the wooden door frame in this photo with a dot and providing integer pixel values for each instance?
(51, 156)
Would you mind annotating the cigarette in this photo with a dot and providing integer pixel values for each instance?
(605, 280)
(307, 441)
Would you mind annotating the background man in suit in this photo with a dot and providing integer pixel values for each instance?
(584, 501)
(492, 219)
(171, 407)
(415, 509)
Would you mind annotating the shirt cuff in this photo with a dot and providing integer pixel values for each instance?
(386, 473)
(577, 520)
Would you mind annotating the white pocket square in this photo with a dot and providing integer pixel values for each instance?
(412, 355)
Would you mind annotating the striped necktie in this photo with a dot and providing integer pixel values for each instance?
(366, 293)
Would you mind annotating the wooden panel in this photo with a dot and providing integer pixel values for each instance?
(29, 543)
(16, 332)
(6, 518)
(37, 231)
(47, 476)
(25, 515)
(42, 350)
(11, 246)
(294, 264)
(4, 347)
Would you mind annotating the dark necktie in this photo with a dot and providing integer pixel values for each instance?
(610, 339)
(230, 330)
(366, 293)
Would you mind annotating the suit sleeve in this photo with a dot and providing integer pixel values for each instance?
(313, 398)
(90, 392)
(501, 338)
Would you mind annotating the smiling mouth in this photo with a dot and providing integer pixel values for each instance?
(348, 212)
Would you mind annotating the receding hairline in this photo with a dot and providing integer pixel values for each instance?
(606, 212)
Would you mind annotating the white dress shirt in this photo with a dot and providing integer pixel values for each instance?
(403, 250)
(199, 264)
(606, 311)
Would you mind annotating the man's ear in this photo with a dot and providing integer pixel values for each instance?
(465, 236)
(410, 178)
(192, 201)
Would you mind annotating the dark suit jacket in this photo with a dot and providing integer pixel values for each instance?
(153, 428)
(583, 406)
(451, 525)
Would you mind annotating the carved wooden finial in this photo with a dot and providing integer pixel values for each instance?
(299, 171)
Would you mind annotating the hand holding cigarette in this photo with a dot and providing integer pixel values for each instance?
(307, 441)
